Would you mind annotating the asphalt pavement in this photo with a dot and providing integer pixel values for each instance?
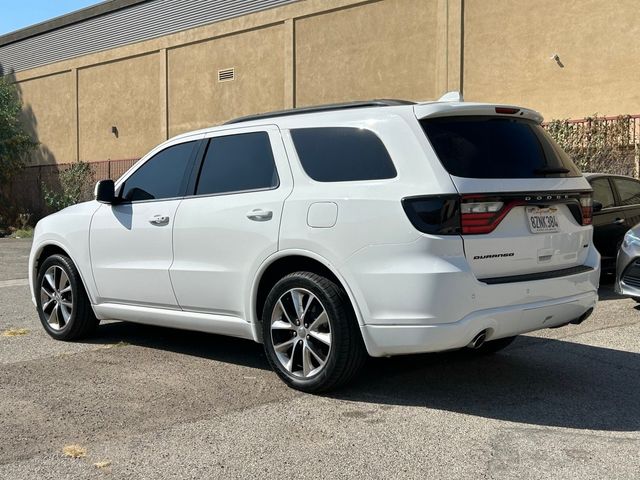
(147, 402)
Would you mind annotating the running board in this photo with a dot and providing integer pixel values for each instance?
(200, 322)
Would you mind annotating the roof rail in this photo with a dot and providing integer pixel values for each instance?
(322, 108)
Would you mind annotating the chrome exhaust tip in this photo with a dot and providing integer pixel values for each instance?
(583, 317)
(478, 340)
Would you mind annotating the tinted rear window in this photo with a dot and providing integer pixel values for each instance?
(342, 154)
(497, 147)
(236, 163)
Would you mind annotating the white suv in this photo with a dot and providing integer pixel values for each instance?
(330, 233)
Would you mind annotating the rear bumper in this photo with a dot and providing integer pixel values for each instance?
(383, 340)
(423, 297)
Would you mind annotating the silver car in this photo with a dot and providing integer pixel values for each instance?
(628, 265)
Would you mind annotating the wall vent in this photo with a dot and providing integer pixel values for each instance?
(226, 75)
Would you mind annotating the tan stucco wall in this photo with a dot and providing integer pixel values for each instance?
(197, 99)
(377, 50)
(508, 45)
(49, 116)
(123, 94)
(321, 51)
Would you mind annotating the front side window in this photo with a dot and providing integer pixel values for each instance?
(342, 154)
(629, 191)
(602, 192)
(161, 176)
(236, 163)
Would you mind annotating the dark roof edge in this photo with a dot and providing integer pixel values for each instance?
(322, 108)
(78, 16)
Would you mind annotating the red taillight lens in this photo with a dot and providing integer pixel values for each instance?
(586, 204)
(483, 215)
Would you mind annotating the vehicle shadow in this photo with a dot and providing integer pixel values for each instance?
(535, 381)
(213, 347)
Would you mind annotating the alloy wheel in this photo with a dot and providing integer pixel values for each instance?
(56, 297)
(301, 333)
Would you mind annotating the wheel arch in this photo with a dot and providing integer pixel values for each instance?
(283, 263)
(47, 249)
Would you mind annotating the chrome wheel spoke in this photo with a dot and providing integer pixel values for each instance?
(322, 337)
(66, 303)
(54, 320)
(66, 312)
(289, 364)
(49, 277)
(297, 298)
(284, 346)
(63, 280)
(306, 361)
(320, 320)
(66, 289)
(320, 360)
(45, 306)
(280, 325)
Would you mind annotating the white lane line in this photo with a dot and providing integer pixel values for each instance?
(20, 282)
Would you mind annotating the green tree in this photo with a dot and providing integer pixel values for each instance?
(15, 142)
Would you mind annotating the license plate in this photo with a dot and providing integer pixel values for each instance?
(543, 220)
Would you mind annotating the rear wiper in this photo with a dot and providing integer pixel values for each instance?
(547, 170)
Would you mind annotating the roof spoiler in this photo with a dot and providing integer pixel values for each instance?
(451, 97)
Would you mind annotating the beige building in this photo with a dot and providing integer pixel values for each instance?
(564, 58)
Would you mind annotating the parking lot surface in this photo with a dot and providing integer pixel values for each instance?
(147, 402)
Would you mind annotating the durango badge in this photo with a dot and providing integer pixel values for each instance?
(494, 255)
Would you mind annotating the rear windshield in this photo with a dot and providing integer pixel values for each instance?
(497, 147)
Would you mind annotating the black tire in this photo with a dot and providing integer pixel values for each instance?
(493, 346)
(82, 321)
(347, 353)
(637, 299)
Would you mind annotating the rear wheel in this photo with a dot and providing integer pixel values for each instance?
(310, 334)
(62, 302)
(493, 346)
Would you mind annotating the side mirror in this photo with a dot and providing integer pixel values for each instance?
(597, 206)
(105, 191)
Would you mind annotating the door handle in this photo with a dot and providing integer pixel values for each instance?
(159, 220)
(259, 215)
(618, 221)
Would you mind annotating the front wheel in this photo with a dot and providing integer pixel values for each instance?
(62, 302)
(311, 336)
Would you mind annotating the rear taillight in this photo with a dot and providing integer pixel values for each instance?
(481, 214)
(586, 205)
(437, 215)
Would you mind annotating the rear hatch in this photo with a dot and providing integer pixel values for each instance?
(524, 206)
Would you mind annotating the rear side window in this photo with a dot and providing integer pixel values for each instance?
(602, 192)
(236, 163)
(628, 190)
(496, 147)
(162, 176)
(342, 154)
